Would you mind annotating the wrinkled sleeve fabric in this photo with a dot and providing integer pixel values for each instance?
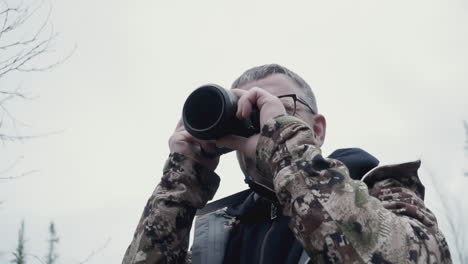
(162, 234)
(334, 217)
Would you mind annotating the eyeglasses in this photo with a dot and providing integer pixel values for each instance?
(290, 103)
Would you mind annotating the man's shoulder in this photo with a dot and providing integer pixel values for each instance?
(405, 174)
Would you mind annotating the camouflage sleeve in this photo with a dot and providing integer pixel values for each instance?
(162, 235)
(333, 216)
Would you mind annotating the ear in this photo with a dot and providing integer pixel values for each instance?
(320, 129)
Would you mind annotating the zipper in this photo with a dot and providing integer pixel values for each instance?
(273, 215)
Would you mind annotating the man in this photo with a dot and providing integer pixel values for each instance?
(325, 210)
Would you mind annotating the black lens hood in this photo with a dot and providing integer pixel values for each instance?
(210, 113)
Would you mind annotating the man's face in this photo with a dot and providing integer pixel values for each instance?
(280, 84)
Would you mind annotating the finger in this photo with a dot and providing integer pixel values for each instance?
(255, 96)
(208, 146)
(238, 92)
(244, 105)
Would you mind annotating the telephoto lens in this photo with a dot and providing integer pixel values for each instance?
(210, 113)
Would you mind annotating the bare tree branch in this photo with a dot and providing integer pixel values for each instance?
(46, 68)
(26, 35)
(37, 258)
(7, 137)
(94, 252)
(29, 48)
(19, 176)
(31, 39)
(9, 168)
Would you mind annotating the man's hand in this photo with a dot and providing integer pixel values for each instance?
(199, 150)
(269, 105)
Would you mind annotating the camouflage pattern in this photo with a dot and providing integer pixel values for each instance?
(162, 235)
(381, 219)
(340, 220)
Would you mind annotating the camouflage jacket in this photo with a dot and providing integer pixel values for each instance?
(381, 219)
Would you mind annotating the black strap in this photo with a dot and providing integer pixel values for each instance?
(227, 201)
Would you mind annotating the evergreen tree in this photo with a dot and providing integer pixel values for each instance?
(20, 252)
(52, 256)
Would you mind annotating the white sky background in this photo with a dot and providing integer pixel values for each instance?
(390, 76)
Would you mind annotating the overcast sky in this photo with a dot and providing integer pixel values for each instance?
(391, 77)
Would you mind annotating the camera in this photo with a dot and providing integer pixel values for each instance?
(210, 113)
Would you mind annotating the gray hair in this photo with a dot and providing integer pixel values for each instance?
(263, 71)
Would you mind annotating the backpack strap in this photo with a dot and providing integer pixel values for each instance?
(225, 202)
(212, 228)
(304, 258)
(211, 237)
